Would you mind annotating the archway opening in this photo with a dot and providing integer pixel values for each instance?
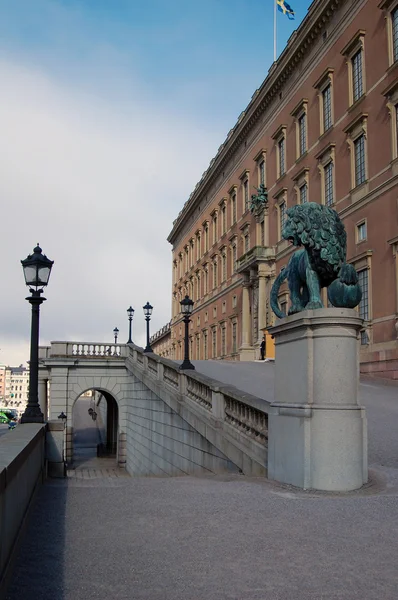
(95, 418)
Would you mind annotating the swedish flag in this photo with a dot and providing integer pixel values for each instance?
(285, 8)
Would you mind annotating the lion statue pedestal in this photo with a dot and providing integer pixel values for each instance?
(317, 430)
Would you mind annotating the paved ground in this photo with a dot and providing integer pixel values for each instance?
(109, 536)
(3, 429)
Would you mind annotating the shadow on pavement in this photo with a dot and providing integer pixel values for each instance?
(38, 572)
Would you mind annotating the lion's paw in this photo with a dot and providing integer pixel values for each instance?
(313, 305)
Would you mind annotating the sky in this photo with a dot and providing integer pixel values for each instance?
(110, 111)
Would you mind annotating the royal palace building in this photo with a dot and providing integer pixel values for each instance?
(323, 127)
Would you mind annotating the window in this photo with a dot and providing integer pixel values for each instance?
(283, 305)
(359, 152)
(214, 342)
(246, 194)
(361, 232)
(234, 301)
(206, 232)
(299, 113)
(214, 312)
(302, 125)
(281, 156)
(223, 340)
(303, 194)
(354, 54)
(328, 184)
(198, 245)
(396, 128)
(363, 308)
(280, 143)
(224, 218)
(357, 80)
(224, 266)
(327, 107)
(234, 337)
(224, 307)
(205, 350)
(357, 142)
(233, 207)
(215, 273)
(234, 257)
(282, 215)
(394, 24)
(262, 233)
(301, 185)
(246, 240)
(197, 347)
(261, 172)
(206, 280)
(215, 231)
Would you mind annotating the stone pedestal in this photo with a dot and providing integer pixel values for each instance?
(317, 430)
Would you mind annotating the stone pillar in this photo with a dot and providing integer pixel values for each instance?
(42, 391)
(317, 429)
(262, 299)
(55, 449)
(122, 450)
(246, 351)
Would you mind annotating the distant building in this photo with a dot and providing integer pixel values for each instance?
(322, 127)
(161, 341)
(16, 387)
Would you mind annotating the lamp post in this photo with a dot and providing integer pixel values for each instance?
(37, 268)
(115, 333)
(130, 312)
(147, 312)
(186, 311)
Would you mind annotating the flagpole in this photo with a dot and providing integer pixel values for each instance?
(274, 30)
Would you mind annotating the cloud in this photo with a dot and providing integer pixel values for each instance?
(97, 179)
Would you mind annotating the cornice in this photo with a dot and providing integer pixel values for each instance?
(298, 46)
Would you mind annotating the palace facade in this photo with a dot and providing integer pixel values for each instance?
(323, 127)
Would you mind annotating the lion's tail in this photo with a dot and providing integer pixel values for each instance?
(345, 291)
(274, 293)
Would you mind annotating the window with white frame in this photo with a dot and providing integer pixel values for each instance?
(282, 215)
(223, 219)
(223, 339)
(198, 245)
(301, 185)
(394, 32)
(261, 172)
(206, 236)
(327, 107)
(303, 193)
(215, 278)
(234, 255)
(357, 75)
(361, 232)
(329, 184)
(279, 138)
(224, 265)
(300, 115)
(246, 194)
(214, 342)
(282, 156)
(205, 348)
(357, 142)
(359, 153)
(246, 239)
(354, 53)
(233, 207)
(215, 226)
(234, 337)
(205, 279)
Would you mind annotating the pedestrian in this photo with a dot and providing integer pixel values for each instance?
(262, 349)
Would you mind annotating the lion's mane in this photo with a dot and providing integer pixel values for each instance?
(320, 231)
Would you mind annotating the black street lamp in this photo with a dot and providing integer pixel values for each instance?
(130, 312)
(115, 333)
(147, 312)
(186, 310)
(36, 268)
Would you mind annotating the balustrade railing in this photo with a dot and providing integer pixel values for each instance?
(170, 376)
(247, 419)
(199, 392)
(103, 350)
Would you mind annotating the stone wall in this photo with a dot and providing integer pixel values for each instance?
(160, 442)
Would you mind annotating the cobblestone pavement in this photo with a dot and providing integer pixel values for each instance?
(100, 534)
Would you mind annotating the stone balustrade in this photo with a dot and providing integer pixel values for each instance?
(86, 350)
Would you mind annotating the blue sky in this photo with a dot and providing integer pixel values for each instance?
(110, 111)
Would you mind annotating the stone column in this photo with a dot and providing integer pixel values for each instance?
(317, 429)
(246, 351)
(262, 298)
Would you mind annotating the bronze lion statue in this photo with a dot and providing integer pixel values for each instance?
(321, 262)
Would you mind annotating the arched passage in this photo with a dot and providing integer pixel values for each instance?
(95, 426)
